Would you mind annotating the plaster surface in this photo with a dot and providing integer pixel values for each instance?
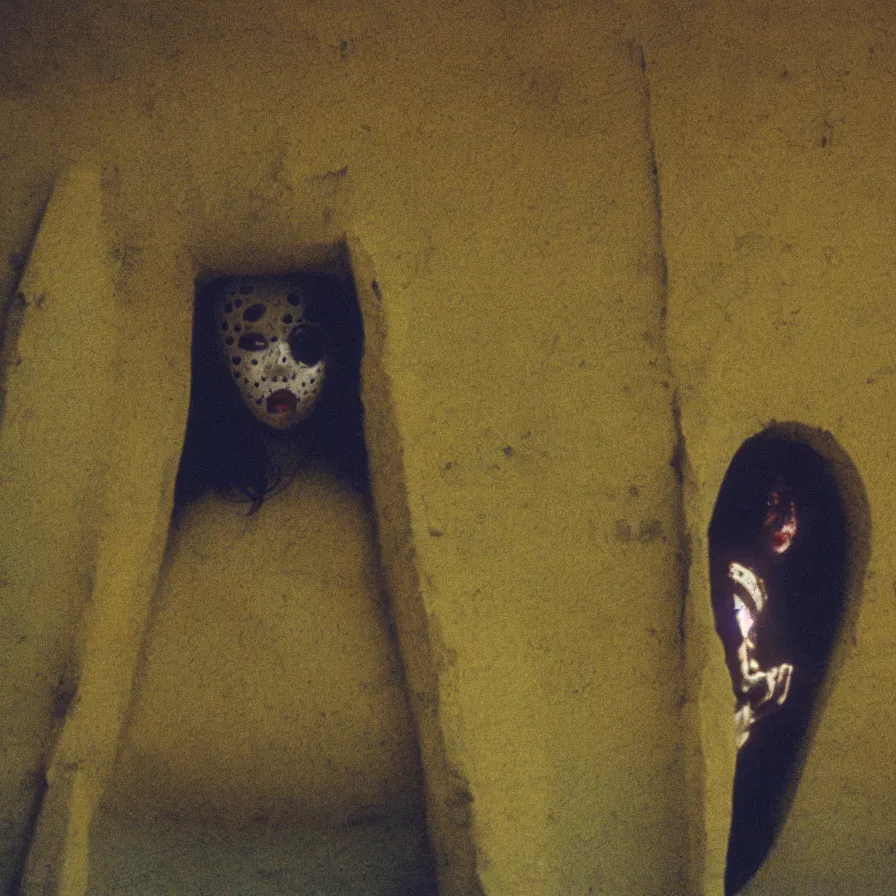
(596, 248)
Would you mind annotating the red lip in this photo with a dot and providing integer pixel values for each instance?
(282, 402)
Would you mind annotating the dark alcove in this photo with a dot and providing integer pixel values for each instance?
(778, 566)
(270, 745)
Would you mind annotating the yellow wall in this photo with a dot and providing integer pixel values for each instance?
(269, 746)
(540, 299)
(774, 138)
(267, 631)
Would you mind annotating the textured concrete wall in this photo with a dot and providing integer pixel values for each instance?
(491, 169)
(494, 166)
(774, 137)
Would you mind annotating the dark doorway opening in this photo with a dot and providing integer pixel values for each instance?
(778, 566)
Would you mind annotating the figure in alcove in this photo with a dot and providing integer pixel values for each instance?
(745, 620)
(270, 745)
(282, 352)
(778, 559)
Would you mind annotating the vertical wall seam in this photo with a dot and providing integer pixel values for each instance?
(447, 793)
(678, 459)
(691, 869)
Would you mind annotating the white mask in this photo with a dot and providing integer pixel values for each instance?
(273, 344)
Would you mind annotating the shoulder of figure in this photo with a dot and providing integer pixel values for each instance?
(747, 579)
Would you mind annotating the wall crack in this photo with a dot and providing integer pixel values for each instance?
(678, 460)
(691, 869)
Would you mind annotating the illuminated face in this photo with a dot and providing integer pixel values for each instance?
(273, 344)
(780, 524)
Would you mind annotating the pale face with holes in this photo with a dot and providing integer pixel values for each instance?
(273, 344)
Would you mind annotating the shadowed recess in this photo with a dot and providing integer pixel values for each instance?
(779, 557)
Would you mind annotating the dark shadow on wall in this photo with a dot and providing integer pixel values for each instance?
(807, 607)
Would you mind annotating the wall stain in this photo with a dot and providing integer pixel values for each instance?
(648, 531)
(888, 370)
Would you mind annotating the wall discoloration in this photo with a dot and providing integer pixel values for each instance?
(647, 531)
(596, 237)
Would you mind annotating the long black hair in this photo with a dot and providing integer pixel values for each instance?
(226, 448)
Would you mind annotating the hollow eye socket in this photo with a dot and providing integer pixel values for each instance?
(252, 342)
(254, 312)
(306, 346)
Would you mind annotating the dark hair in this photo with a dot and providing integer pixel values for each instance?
(225, 448)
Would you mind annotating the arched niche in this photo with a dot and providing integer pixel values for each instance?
(329, 821)
(809, 601)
